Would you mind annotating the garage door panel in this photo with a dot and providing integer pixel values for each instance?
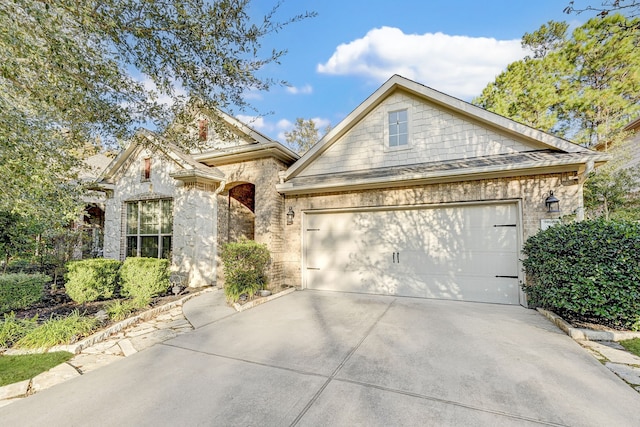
(460, 252)
(488, 264)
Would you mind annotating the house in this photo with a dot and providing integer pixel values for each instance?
(167, 203)
(415, 193)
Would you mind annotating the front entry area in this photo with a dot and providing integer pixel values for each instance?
(463, 252)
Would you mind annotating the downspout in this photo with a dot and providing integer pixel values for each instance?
(583, 174)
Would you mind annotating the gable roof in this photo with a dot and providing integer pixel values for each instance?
(442, 100)
(548, 153)
(260, 146)
(189, 166)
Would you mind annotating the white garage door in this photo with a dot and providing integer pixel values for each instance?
(467, 253)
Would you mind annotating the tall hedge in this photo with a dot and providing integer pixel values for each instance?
(589, 268)
(19, 290)
(144, 278)
(245, 268)
(92, 279)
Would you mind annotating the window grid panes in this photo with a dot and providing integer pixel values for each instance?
(149, 228)
(398, 128)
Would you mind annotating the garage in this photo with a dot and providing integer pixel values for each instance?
(462, 252)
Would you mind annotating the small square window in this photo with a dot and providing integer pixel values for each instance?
(398, 128)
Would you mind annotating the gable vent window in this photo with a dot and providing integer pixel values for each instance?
(146, 169)
(203, 129)
(149, 228)
(398, 128)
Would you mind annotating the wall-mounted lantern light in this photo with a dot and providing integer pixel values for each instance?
(290, 215)
(552, 203)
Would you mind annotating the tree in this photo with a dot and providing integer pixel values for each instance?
(612, 190)
(630, 8)
(585, 87)
(66, 78)
(304, 135)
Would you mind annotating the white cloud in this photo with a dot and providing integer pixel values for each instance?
(150, 86)
(457, 65)
(304, 90)
(277, 128)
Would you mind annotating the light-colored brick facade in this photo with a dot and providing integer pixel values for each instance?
(205, 216)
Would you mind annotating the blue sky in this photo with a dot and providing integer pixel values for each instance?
(337, 59)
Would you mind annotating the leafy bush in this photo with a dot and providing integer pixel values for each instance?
(144, 278)
(22, 266)
(589, 268)
(20, 290)
(59, 330)
(245, 264)
(91, 279)
(12, 329)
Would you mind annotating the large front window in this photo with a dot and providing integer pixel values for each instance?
(149, 228)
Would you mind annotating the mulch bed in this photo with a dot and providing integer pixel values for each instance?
(587, 322)
(56, 303)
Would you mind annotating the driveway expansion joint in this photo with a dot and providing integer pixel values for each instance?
(340, 366)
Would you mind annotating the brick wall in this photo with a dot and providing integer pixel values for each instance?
(269, 215)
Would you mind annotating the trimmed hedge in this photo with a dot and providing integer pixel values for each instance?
(590, 269)
(245, 264)
(144, 278)
(92, 279)
(19, 290)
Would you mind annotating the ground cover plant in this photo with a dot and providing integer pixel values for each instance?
(588, 271)
(18, 368)
(632, 345)
(12, 329)
(58, 330)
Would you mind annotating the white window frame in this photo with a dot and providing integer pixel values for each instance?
(387, 130)
(159, 235)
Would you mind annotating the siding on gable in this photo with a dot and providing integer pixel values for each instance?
(434, 135)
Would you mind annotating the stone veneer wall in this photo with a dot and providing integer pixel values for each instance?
(194, 223)
(531, 191)
(269, 210)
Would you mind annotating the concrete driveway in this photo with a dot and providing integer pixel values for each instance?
(320, 358)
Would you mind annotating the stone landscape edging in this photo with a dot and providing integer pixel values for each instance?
(256, 302)
(103, 334)
(582, 334)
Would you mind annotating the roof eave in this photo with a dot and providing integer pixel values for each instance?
(456, 175)
(248, 152)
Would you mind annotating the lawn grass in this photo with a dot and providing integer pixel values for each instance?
(632, 345)
(26, 366)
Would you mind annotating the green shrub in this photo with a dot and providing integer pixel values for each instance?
(12, 329)
(18, 290)
(245, 264)
(22, 266)
(589, 268)
(144, 278)
(91, 279)
(121, 309)
(59, 330)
